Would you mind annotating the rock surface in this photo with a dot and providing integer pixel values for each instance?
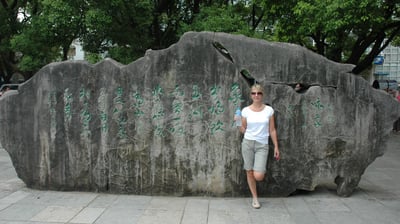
(163, 125)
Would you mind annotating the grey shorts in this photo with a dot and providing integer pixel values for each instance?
(255, 155)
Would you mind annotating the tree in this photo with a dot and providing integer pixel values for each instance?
(51, 27)
(353, 31)
(217, 19)
(10, 25)
(120, 29)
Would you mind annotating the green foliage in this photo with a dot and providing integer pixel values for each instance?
(118, 27)
(396, 41)
(97, 24)
(352, 31)
(9, 26)
(93, 57)
(48, 35)
(35, 53)
(123, 54)
(226, 19)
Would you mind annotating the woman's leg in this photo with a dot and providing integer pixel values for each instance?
(248, 152)
(252, 178)
(251, 181)
(258, 176)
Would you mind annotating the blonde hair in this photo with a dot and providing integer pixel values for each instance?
(257, 87)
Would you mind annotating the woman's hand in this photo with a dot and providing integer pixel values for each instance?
(277, 154)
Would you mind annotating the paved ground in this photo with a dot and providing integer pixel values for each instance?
(377, 201)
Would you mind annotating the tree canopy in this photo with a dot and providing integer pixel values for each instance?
(37, 32)
(354, 31)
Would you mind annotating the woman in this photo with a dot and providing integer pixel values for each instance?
(396, 125)
(257, 125)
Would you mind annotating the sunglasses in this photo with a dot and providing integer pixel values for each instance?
(257, 93)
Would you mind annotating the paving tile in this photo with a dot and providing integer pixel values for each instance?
(300, 211)
(373, 210)
(304, 218)
(120, 215)
(88, 215)
(196, 211)
(272, 204)
(14, 197)
(3, 206)
(103, 200)
(340, 217)
(229, 204)
(168, 203)
(20, 212)
(326, 205)
(56, 214)
(271, 218)
(132, 201)
(391, 204)
(197, 204)
(151, 216)
(296, 205)
(12, 184)
(380, 216)
(228, 216)
(58, 198)
(168, 210)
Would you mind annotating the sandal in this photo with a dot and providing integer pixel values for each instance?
(256, 204)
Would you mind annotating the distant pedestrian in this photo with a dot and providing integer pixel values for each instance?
(258, 124)
(396, 125)
(4, 90)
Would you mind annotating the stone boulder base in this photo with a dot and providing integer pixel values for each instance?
(163, 125)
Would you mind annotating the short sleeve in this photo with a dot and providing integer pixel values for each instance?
(245, 112)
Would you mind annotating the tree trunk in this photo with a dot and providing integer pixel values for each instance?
(6, 68)
(367, 61)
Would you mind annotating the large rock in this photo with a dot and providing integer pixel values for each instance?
(163, 124)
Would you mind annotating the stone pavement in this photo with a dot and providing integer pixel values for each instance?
(377, 200)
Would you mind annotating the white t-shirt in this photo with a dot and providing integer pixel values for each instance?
(257, 124)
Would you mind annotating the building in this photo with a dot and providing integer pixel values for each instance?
(387, 65)
(75, 51)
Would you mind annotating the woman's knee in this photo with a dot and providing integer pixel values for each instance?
(259, 176)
